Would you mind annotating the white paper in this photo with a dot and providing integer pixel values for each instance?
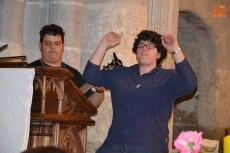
(211, 144)
(16, 89)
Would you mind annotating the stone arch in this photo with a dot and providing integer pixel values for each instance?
(197, 109)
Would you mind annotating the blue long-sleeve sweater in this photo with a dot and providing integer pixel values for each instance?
(142, 104)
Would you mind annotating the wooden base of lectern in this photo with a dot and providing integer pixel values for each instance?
(60, 113)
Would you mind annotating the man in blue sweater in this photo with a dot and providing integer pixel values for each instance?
(142, 94)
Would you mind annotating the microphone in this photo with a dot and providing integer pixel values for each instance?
(115, 56)
(3, 47)
(118, 62)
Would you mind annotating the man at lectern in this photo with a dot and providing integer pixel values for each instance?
(52, 47)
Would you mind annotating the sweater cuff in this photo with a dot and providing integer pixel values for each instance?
(182, 64)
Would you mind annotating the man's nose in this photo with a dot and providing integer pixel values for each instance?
(145, 47)
(52, 45)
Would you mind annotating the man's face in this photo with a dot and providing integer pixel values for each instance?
(52, 49)
(147, 53)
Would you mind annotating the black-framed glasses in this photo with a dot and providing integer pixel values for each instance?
(148, 46)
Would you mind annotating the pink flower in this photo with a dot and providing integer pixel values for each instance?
(189, 142)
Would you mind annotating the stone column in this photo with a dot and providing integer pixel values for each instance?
(68, 14)
(11, 23)
(127, 18)
(163, 18)
(34, 19)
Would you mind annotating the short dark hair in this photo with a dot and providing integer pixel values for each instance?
(151, 36)
(48, 149)
(52, 29)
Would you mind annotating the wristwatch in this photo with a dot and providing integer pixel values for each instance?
(176, 51)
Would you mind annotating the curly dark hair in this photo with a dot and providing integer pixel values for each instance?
(52, 29)
(151, 36)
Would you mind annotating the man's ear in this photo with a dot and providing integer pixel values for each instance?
(63, 46)
(158, 55)
(40, 46)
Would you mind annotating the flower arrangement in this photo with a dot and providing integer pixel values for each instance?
(189, 142)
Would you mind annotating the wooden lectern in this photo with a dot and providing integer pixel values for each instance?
(60, 113)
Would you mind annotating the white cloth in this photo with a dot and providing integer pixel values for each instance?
(16, 89)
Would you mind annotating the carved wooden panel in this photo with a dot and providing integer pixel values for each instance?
(60, 113)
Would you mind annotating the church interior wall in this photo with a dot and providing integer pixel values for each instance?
(203, 32)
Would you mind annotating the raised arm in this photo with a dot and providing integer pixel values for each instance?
(170, 42)
(187, 78)
(110, 40)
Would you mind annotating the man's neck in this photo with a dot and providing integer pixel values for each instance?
(146, 69)
(58, 65)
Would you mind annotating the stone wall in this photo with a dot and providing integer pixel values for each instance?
(67, 14)
(125, 17)
(203, 31)
(202, 35)
(11, 26)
